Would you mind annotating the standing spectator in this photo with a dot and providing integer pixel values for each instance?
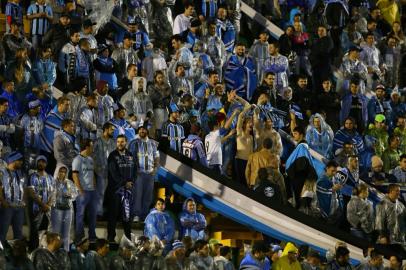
(77, 91)
(172, 132)
(124, 56)
(88, 119)
(304, 96)
(256, 259)
(183, 56)
(260, 53)
(354, 104)
(85, 181)
(400, 171)
(40, 16)
(106, 69)
(120, 188)
(193, 146)
(391, 216)
(225, 29)
(14, 105)
(105, 104)
(32, 126)
(267, 87)
(371, 57)
(14, 12)
(376, 136)
(122, 126)
(160, 224)
(215, 47)
(201, 258)
(137, 101)
(279, 65)
(41, 193)
(182, 21)
(12, 196)
(258, 160)
(377, 104)
(103, 146)
(146, 157)
(14, 40)
(139, 37)
(360, 213)
(391, 155)
(240, 73)
(152, 62)
(392, 55)
(7, 127)
(58, 35)
(300, 42)
(160, 94)
(245, 144)
(64, 147)
(192, 223)
(329, 103)
(320, 57)
(319, 136)
(44, 69)
(62, 210)
(329, 196)
(68, 56)
(87, 33)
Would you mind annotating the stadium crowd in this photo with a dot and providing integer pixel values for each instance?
(314, 120)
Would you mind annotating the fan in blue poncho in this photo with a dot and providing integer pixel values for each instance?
(160, 224)
(192, 223)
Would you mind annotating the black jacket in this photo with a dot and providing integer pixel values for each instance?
(121, 169)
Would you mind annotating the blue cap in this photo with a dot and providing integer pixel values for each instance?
(173, 108)
(177, 244)
(33, 104)
(41, 157)
(194, 113)
(13, 156)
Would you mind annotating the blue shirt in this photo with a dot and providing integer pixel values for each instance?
(14, 105)
(84, 167)
(145, 152)
(39, 26)
(43, 186)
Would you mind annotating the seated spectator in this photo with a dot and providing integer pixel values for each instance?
(176, 259)
(77, 254)
(123, 259)
(360, 213)
(348, 133)
(192, 223)
(391, 154)
(375, 175)
(160, 224)
(313, 261)
(342, 260)
(18, 259)
(329, 195)
(319, 136)
(256, 258)
(289, 259)
(390, 216)
(258, 160)
(375, 261)
(201, 258)
(97, 259)
(400, 171)
(51, 257)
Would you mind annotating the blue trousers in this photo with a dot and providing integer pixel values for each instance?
(11, 216)
(87, 201)
(61, 221)
(144, 189)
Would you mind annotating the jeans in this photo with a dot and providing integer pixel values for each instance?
(86, 201)
(13, 216)
(101, 186)
(61, 221)
(144, 189)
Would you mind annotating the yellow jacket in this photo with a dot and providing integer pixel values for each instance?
(389, 10)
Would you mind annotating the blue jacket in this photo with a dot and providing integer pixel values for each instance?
(249, 262)
(241, 76)
(325, 196)
(159, 224)
(14, 105)
(346, 106)
(44, 71)
(52, 124)
(192, 224)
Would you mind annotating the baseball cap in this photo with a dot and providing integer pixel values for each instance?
(380, 118)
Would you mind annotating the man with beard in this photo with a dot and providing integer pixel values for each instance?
(120, 188)
(182, 55)
(240, 73)
(172, 132)
(146, 156)
(103, 146)
(12, 184)
(65, 148)
(41, 195)
(279, 65)
(377, 104)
